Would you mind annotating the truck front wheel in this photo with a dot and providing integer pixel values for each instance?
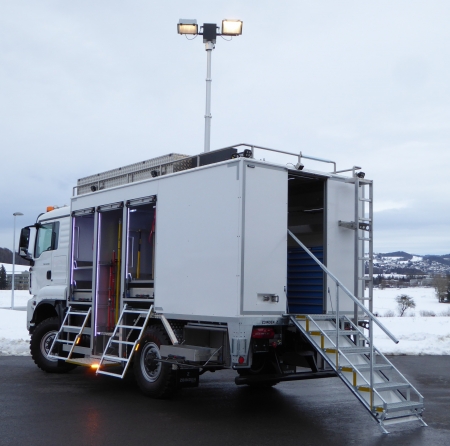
(155, 379)
(40, 344)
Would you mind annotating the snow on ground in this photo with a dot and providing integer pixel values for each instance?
(14, 337)
(419, 332)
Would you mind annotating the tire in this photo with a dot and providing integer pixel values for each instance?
(155, 379)
(41, 341)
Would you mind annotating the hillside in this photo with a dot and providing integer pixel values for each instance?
(400, 262)
(6, 257)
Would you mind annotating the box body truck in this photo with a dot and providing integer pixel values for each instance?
(182, 265)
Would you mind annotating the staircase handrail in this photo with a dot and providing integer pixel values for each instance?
(371, 316)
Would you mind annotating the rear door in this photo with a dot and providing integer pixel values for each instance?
(340, 245)
(264, 239)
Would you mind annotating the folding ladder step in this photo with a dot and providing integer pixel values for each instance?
(398, 407)
(368, 200)
(115, 358)
(64, 341)
(121, 342)
(384, 387)
(136, 311)
(78, 313)
(102, 372)
(77, 349)
(133, 327)
(75, 329)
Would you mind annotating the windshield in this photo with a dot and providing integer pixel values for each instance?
(47, 238)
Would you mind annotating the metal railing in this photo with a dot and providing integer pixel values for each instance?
(369, 314)
(299, 155)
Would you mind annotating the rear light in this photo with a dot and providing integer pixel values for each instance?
(241, 360)
(263, 333)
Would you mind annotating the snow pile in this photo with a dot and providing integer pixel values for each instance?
(418, 333)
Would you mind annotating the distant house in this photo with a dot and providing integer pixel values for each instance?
(21, 280)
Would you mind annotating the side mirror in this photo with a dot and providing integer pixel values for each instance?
(23, 244)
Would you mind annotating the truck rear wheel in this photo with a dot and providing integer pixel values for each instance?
(155, 379)
(40, 344)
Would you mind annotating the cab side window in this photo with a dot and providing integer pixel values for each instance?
(47, 238)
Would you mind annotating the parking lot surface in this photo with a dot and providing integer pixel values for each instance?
(79, 408)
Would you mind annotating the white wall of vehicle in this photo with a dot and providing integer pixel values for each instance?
(198, 242)
(340, 252)
(265, 239)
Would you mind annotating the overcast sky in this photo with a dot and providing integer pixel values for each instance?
(88, 85)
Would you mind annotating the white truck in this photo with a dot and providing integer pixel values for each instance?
(181, 265)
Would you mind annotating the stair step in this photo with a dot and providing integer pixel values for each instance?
(102, 372)
(121, 342)
(134, 327)
(115, 358)
(349, 350)
(136, 311)
(76, 349)
(398, 407)
(366, 367)
(315, 317)
(75, 329)
(383, 387)
(341, 332)
(88, 362)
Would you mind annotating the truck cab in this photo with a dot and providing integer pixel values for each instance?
(46, 245)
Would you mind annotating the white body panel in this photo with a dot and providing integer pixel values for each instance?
(265, 239)
(340, 248)
(200, 234)
(198, 240)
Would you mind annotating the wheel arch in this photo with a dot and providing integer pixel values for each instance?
(46, 309)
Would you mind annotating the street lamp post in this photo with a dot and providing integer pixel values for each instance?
(16, 214)
(229, 28)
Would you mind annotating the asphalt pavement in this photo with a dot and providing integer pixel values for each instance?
(79, 408)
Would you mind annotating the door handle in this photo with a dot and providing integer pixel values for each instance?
(49, 275)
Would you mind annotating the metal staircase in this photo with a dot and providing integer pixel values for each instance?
(371, 377)
(119, 349)
(350, 352)
(69, 335)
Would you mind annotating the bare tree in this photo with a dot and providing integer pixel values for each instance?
(404, 302)
(441, 285)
